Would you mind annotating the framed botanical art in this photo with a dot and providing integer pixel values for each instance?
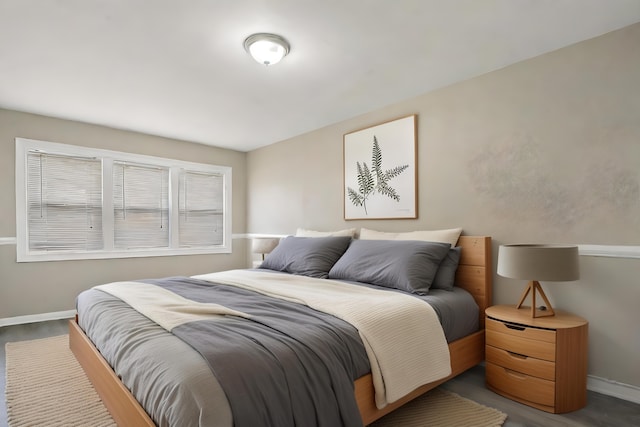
(380, 173)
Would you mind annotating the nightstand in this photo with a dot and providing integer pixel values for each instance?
(540, 362)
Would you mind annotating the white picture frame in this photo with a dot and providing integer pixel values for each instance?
(380, 172)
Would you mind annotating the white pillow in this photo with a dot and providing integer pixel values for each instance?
(445, 236)
(301, 232)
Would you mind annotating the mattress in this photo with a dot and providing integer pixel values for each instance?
(456, 309)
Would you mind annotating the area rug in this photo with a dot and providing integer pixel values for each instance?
(45, 385)
(442, 408)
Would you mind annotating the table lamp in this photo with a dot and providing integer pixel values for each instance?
(555, 263)
(264, 245)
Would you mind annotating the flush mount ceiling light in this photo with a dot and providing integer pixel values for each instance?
(267, 49)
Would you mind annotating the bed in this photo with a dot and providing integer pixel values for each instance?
(473, 275)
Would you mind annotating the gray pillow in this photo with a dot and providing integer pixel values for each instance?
(446, 274)
(306, 256)
(409, 265)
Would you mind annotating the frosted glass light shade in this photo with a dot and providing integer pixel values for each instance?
(267, 49)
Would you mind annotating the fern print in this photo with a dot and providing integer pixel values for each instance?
(374, 180)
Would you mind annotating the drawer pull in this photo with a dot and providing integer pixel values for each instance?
(515, 374)
(516, 327)
(517, 355)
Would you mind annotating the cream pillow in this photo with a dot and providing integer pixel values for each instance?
(445, 236)
(301, 232)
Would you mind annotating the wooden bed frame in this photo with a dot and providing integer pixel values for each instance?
(474, 274)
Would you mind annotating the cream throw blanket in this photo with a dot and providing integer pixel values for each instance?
(402, 335)
(164, 307)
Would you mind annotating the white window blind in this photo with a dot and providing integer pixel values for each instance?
(64, 202)
(201, 209)
(140, 206)
(75, 202)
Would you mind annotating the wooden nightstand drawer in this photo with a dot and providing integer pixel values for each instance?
(521, 386)
(521, 331)
(527, 347)
(521, 363)
(541, 362)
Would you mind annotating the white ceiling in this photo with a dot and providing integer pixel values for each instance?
(178, 69)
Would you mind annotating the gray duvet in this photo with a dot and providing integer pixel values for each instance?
(180, 386)
(286, 365)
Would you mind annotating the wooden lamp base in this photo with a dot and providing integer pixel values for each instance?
(534, 287)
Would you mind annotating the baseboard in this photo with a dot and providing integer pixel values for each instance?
(33, 318)
(614, 388)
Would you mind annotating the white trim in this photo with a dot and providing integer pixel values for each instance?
(175, 167)
(33, 318)
(614, 388)
(610, 251)
(270, 236)
(13, 240)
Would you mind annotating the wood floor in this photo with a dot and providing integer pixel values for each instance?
(601, 410)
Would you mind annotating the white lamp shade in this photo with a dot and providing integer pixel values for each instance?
(556, 263)
(264, 245)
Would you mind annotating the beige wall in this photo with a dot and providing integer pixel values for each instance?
(44, 287)
(547, 150)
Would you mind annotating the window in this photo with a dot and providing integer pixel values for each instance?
(64, 202)
(140, 206)
(82, 203)
(201, 209)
